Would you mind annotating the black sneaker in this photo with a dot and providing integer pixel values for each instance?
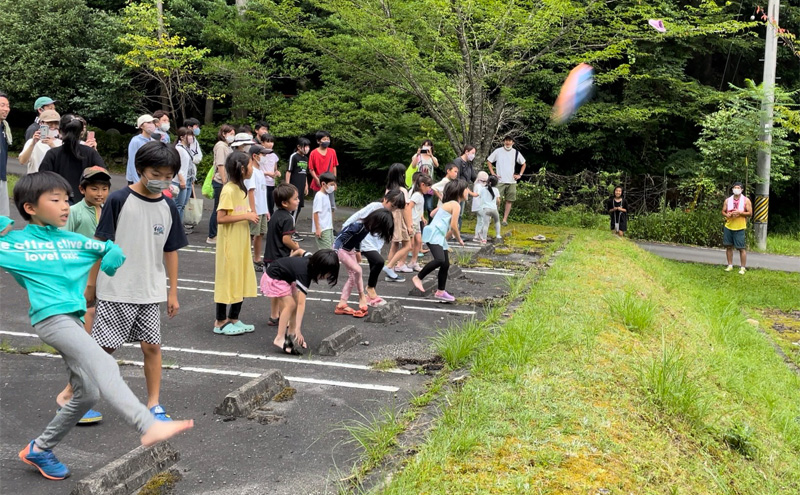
(296, 237)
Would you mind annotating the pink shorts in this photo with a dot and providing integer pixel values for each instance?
(276, 288)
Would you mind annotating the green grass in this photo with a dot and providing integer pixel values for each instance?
(564, 399)
(458, 342)
(11, 181)
(636, 313)
(784, 244)
(375, 435)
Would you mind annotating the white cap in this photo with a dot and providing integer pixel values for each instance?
(144, 119)
(242, 139)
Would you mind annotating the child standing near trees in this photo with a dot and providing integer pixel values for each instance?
(443, 225)
(297, 175)
(480, 183)
(269, 167)
(489, 198)
(347, 245)
(234, 278)
(256, 187)
(422, 184)
(322, 215)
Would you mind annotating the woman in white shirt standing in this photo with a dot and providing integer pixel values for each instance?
(185, 178)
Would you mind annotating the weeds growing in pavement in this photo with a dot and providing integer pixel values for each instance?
(383, 365)
(42, 347)
(376, 434)
(637, 314)
(461, 257)
(670, 387)
(7, 348)
(459, 341)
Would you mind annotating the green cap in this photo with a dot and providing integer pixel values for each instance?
(42, 101)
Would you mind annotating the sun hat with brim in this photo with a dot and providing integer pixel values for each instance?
(144, 119)
(42, 101)
(49, 116)
(242, 139)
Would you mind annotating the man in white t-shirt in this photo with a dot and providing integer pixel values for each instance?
(506, 160)
(37, 146)
(257, 192)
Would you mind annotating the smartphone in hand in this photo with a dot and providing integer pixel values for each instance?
(43, 131)
(90, 136)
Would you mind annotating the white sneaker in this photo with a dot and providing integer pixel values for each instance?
(403, 269)
(730, 268)
(742, 270)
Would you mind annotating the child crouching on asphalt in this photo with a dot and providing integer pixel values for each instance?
(288, 280)
(53, 265)
(348, 246)
(372, 244)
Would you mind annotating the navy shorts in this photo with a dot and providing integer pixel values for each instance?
(733, 238)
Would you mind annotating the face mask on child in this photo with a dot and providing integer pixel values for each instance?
(196, 131)
(156, 186)
(330, 189)
(737, 191)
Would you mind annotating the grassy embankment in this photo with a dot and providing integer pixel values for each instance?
(621, 373)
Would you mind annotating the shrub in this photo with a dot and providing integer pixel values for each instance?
(701, 227)
(575, 216)
(531, 199)
(357, 193)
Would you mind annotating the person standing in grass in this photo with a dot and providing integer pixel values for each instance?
(617, 207)
(736, 209)
(234, 277)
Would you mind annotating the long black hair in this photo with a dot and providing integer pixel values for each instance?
(492, 182)
(235, 167)
(396, 178)
(70, 128)
(324, 263)
(454, 190)
(380, 223)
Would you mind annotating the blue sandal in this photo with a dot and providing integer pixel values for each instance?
(228, 329)
(244, 326)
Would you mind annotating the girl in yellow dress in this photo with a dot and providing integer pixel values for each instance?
(234, 277)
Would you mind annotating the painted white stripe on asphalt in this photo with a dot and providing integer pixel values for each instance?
(244, 374)
(262, 357)
(318, 299)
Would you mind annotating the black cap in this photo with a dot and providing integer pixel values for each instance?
(257, 149)
(737, 184)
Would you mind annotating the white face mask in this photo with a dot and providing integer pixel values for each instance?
(330, 189)
(471, 157)
(737, 191)
(508, 148)
(164, 127)
(229, 139)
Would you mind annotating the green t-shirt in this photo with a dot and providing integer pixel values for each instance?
(82, 219)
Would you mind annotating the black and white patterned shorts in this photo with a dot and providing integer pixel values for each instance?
(116, 323)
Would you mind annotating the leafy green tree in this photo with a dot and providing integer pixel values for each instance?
(158, 58)
(66, 50)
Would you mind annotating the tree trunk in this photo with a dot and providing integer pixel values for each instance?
(208, 116)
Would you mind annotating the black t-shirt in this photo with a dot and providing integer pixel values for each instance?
(298, 167)
(291, 270)
(465, 170)
(3, 151)
(611, 203)
(59, 160)
(280, 224)
(29, 132)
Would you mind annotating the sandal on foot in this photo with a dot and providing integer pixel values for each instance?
(361, 313)
(343, 310)
(273, 322)
(229, 329)
(244, 326)
(377, 302)
(289, 348)
(259, 266)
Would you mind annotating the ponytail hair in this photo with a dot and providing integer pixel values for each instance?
(492, 184)
(421, 179)
(71, 128)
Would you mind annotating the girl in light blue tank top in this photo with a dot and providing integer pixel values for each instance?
(435, 234)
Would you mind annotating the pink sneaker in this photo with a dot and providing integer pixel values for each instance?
(443, 296)
(416, 267)
(403, 269)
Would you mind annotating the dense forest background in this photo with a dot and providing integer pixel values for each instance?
(675, 112)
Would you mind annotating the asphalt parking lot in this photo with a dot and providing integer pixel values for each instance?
(303, 452)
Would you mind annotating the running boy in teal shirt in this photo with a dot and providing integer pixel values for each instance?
(53, 265)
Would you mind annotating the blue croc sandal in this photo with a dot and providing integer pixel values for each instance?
(244, 326)
(160, 413)
(89, 418)
(228, 329)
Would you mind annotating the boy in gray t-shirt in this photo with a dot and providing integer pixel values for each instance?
(147, 226)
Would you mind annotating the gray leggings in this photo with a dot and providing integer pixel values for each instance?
(93, 373)
(485, 218)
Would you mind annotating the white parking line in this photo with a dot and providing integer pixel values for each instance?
(262, 357)
(244, 374)
(435, 310)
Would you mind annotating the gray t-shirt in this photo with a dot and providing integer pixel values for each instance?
(145, 228)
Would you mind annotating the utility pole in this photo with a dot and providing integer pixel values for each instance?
(761, 206)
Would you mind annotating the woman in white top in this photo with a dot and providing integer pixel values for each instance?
(35, 148)
(185, 177)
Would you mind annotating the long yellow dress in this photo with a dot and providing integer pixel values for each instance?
(234, 277)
